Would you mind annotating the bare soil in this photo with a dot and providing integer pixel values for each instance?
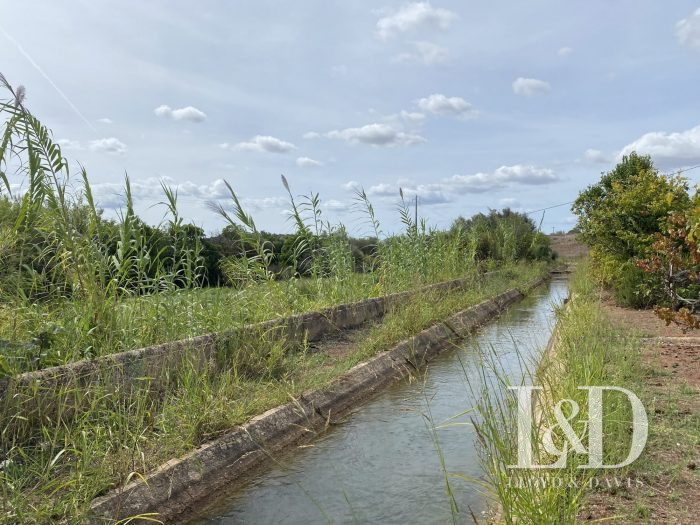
(566, 245)
(645, 322)
(670, 466)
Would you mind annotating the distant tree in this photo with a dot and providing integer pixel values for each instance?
(502, 235)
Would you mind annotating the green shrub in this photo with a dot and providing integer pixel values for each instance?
(619, 218)
(502, 235)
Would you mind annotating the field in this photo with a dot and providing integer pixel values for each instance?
(567, 245)
(75, 286)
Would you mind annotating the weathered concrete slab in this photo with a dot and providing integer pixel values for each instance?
(124, 368)
(176, 486)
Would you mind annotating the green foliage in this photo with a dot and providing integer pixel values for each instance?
(622, 212)
(502, 235)
(80, 285)
(619, 218)
(588, 350)
(675, 261)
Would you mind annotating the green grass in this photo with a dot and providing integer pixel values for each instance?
(75, 285)
(589, 351)
(60, 456)
(136, 322)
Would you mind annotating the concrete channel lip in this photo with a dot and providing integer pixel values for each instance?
(176, 486)
(126, 367)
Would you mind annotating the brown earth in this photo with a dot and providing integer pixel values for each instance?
(567, 245)
(645, 322)
(670, 466)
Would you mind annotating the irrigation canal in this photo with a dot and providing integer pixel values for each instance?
(381, 465)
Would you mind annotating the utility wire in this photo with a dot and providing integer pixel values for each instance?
(676, 172)
(549, 207)
(684, 170)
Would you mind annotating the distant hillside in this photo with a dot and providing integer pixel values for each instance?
(566, 245)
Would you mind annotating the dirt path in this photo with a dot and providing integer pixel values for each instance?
(670, 465)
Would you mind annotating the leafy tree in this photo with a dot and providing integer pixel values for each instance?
(675, 258)
(619, 218)
(502, 235)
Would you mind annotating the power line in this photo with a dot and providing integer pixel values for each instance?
(549, 207)
(676, 172)
(684, 170)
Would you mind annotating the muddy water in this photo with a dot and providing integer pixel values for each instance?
(381, 464)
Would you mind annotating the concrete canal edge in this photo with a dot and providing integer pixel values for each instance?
(128, 368)
(173, 489)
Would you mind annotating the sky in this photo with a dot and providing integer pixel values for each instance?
(470, 106)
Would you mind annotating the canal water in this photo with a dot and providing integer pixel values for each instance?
(381, 465)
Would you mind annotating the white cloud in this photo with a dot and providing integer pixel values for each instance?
(415, 16)
(408, 118)
(384, 190)
(109, 145)
(448, 188)
(311, 135)
(426, 53)
(264, 203)
(306, 162)
(412, 117)
(70, 144)
(530, 87)
(163, 111)
(376, 135)
(188, 113)
(439, 104)
(595, 155)
(265, 143)
(501, 177)
(509, 202)
(253, 204)
(427, 193)
(565, 51)
(111, 194)
(688, 30)
(105, 120)
(667, 149)
(336, 205)
(352, 185)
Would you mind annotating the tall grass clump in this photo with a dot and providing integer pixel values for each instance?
(502, 236)
(67, 272)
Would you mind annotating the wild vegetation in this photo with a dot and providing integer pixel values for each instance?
(588, 350)
(76, 285)
(643, 228)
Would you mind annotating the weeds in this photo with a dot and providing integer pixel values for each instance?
(81, 443)
(74, 285)
(588, 351)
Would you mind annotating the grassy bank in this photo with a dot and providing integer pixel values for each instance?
(588, 350)
(59, 458)
(35, 334)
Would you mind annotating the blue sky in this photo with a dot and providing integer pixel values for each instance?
(469, 105)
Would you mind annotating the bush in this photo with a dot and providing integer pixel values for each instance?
(619, 218)
(502, 235)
